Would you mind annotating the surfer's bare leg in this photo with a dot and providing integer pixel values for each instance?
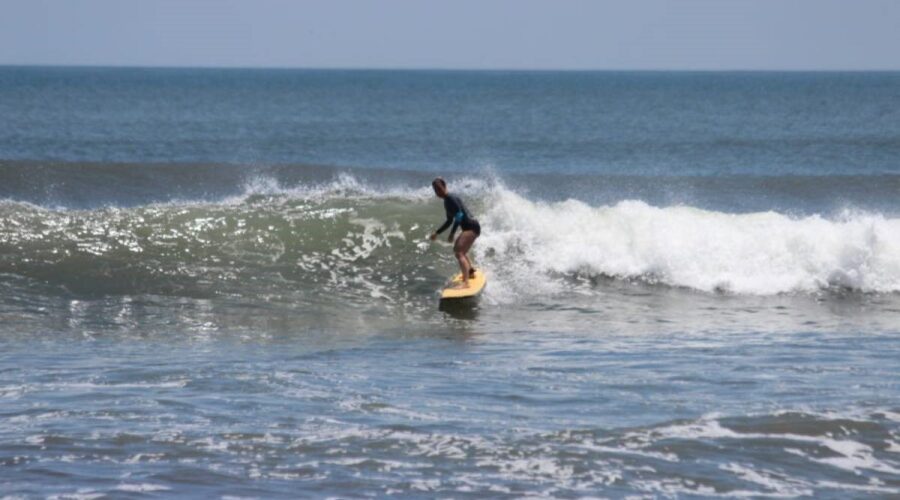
(460, 248)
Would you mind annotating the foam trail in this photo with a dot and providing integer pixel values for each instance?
(757, 253)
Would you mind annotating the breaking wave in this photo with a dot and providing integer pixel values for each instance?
(360, 242)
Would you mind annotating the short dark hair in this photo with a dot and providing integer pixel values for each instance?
(439, 181)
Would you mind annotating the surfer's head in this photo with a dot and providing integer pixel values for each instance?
(440, 187)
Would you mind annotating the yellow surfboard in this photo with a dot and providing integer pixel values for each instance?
(476, 285)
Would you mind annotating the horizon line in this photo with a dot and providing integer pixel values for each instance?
(454, 69)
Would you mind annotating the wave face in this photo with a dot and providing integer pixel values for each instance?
(323, 237)
(358, 243)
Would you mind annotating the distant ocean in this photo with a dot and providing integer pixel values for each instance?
(216, 283)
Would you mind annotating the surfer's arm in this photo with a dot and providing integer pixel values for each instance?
(454, 213)
(450, 208)
(444, 226)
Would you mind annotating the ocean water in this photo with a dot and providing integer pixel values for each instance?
(216, 283)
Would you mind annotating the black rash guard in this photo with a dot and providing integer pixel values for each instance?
(458, 215)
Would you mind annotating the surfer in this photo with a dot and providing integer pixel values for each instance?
(459, 216)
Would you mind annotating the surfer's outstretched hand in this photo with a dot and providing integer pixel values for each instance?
(433, 236)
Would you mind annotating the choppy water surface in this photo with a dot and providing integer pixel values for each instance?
(651, 328)
(456, 412)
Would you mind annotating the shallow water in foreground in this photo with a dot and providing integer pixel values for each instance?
(453, 413)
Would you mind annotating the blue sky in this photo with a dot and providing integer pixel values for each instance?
(485, 34)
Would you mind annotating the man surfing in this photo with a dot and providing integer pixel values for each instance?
(459, 216)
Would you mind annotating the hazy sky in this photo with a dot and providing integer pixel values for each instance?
(508, 34)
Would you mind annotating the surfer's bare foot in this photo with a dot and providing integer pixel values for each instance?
(471, 273)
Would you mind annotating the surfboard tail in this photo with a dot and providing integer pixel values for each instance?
(454, 291)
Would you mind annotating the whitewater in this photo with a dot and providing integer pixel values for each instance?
(751, 253)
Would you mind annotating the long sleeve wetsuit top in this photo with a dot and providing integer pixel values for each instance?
(457, 214)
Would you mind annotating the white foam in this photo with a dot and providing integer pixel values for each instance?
(777, 484)
(756, 253)
(142, 487)
(850, 455)
(91, 386)
(869, 488)
(890, 415)
(81, 494)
